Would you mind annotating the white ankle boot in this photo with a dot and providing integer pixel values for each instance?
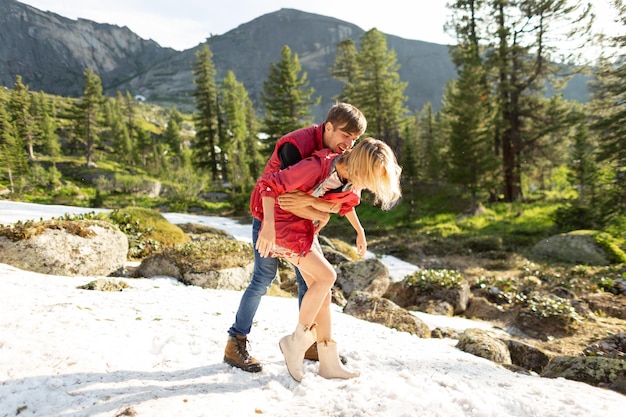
(294, 346)
(330, 365)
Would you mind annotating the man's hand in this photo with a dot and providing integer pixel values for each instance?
(295, 200)
(323, 221)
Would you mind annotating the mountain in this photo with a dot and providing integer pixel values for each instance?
(51, 52)
(249, 49)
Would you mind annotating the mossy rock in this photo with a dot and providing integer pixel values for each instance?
(584, 247)
(107, 285)
(212, 254)
(202, 229)
(597, 371)
(162, 230)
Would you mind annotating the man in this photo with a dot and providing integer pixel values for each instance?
(342, 126)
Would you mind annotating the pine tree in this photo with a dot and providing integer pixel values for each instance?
(344, 68)
(430, 148)
(13, 159)
(376, 88)
(45, 126)
(583, 165)
(410, 164)
(89, 115)
(470, 157)
(20, 112)
(173, 139)
(286, 97)
(517, 43)
(116, 121)
(235, 105)
(144, 147)
(206, 117)
(129, 113)
(609, 109)
(256, 162)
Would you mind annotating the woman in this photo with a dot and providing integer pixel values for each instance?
(338, 178)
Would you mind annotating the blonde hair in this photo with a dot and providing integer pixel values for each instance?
(372, 164)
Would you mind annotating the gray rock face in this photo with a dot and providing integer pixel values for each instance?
(51, 52)
(100, 252)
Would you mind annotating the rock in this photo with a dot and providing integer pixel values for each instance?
(480, 343)
(601, 372)
(224, 279)
(613, 346)
(369, 275)
(235, 278)
(607, 303)
(527, 356)
(619, 286)
(438, 307)
(481, 308)
(544, 327)
(106, 285)
(158, 265)
(406, 295)
(445, 333)
(578, 247)
(70, 248)
(333, 256)
(379, 310)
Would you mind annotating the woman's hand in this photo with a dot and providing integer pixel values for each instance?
(361, 244)
(266, 239)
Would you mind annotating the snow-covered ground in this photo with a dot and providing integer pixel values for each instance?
(157, 347)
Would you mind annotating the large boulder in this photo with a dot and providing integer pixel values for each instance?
(578, 247)
(64, 247)
(216, 262)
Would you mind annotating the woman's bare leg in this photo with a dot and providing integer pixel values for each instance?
(320, 277)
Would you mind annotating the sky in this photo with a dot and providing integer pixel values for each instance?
(183, 24)
(156, 349)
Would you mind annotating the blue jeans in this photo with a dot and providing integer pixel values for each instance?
(262, 276)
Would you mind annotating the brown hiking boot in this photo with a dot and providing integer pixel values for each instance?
(236, 354)
(312, 355)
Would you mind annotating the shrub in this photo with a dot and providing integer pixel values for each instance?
(428, 279)
(614, 253)
(546, 306)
